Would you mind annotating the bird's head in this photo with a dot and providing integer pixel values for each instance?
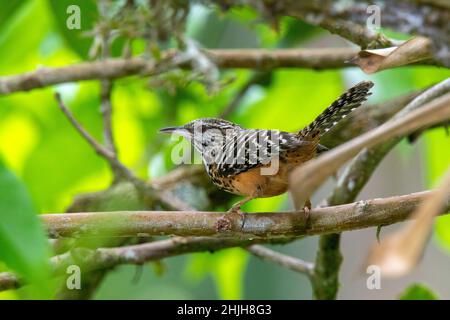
(205, 132)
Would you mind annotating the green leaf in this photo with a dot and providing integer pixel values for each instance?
(418, 291)
(23, 245)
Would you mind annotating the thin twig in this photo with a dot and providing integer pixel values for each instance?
(106, 258)
(101, 150)
(106, 86)
(106, 110)
(283, 260)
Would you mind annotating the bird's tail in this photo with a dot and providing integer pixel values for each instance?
(340, 108)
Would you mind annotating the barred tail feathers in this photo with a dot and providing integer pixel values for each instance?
(347, 102)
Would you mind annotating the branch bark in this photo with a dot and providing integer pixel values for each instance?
(259, 59)
(90, 260)
(331, 219)
(325, 279)
(264, 225)
(349, 21)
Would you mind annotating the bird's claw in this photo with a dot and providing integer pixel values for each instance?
(307, 211)
(225, 222)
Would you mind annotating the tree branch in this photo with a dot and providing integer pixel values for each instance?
(282, 260)
(331, 219)
(269, 226)
(259, 59)
(106, 86)
(264, 59)
(325, 279)
(106, 258)
(350, 20)
(106, 110)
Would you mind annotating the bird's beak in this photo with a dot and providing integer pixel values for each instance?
(176, 130)
(171, 129)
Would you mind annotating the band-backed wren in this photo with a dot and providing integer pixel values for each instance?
(239, 160)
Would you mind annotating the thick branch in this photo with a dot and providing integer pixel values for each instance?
(352, 216)
(331, 219)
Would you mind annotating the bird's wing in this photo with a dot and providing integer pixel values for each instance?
(252, 148)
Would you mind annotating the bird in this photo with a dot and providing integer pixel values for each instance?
(256, 163)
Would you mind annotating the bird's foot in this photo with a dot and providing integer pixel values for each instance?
(225, 222)
(307, 210)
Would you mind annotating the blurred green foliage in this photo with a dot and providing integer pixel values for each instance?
(23, 244)
(418, 291)
(42, 149)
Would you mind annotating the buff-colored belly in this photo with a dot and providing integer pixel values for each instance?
(269, 180)
(261, 182)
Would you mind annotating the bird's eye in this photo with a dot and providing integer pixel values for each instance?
(213, 138)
